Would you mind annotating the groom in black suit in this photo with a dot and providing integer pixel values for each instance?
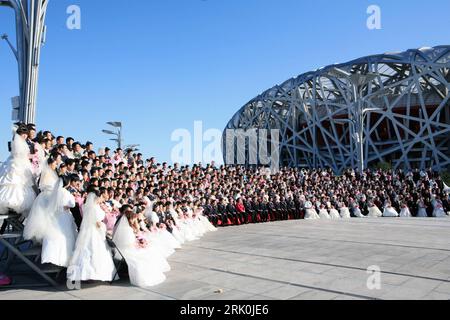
(74, 189)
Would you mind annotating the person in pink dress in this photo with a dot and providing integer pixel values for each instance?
(111, 212)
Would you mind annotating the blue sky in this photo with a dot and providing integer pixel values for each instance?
(160, 65)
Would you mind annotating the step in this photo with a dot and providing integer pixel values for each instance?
(10, 217)
(35, 251)
(50, 268)
(11, 235)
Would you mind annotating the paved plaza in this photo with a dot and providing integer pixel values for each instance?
(300, 260)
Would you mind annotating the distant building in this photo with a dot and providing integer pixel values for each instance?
(406, 113)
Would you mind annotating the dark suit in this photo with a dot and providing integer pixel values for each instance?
(272, 211)
(249, 209)
(31, 146)
(446, 205)
(208, 211)
(292, 209)
(222, 213)
(76, 213)
(231, 210)
(255, 212)
(284, 210)
(167, 218)
(263, 211)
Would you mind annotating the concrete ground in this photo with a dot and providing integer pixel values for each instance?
(296, 260)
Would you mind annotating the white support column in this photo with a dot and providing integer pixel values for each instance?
(30, 27)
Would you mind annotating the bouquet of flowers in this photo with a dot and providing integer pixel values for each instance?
(142, 243)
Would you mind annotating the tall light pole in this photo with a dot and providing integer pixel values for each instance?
(30, 35)
(118, 133)
(132, 147)
(357, 112)
(361, 112)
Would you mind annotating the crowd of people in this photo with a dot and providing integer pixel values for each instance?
(72, 199)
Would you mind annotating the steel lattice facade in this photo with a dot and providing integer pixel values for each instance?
(407, 126)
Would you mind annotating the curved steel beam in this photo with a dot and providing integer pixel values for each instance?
(404, 116)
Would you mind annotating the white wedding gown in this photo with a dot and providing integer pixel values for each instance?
(323, 214)
(374, 212)
(438, 211)
(358, 214)
(186, 230)
(16, 179)
(390, 212)
(92, 259)
(422, 212)
(146, 266)
(311, 214)
(165, 236)
(156, 237)
(49, 223)
(176, 229)
(159, 244)
(194, 228)
(176, 233)
(207, 225)
(168, 238)
(196, 224)
(405, 213)
(58, 248)
(345, 213)
(334, 214)
(41, 218)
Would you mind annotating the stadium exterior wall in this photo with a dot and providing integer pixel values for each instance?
(406, 114)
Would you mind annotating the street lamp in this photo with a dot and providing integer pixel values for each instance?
(132, 147)
(357, 111)
(115, 124)
(5, 37)
(117, 133)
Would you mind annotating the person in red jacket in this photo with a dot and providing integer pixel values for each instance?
(240, 209)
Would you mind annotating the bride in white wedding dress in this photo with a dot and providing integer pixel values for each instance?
(374, 211)
(389, 210)
(16, 177)
(344, 211)
(310, 211)
(207, 225)
(154, 235)
(176, 230)
(146, 265)
(196, 225)
(323, 213)
(422, 213)
(334, 214)
(92, 258)
(438, 208)
(50, 221)
(405, 212)
(182, 223)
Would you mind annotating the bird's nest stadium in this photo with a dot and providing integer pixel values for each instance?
(393, 108)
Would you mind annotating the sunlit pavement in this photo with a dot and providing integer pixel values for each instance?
(296, 260)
